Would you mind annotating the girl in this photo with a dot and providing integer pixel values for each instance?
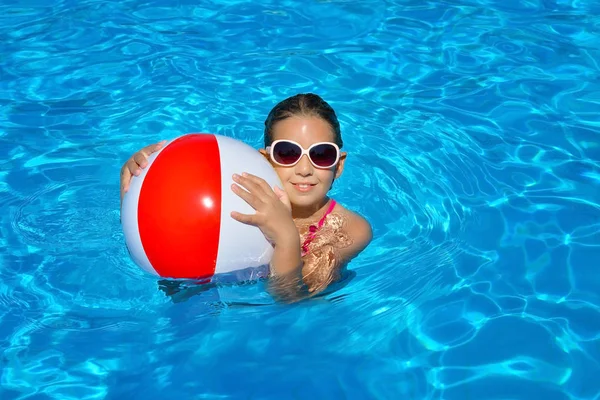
(313, 236)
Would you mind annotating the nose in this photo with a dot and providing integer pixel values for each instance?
(304, 167)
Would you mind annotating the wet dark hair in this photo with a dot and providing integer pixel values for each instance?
(304, 104)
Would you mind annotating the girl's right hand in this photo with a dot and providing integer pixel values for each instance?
(136, 163)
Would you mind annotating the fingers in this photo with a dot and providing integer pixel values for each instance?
(141, 157)
(246, 181)
(252, 185)
(279, 192)
(125, 180)
(129, 169)
(135, 164)
(283, 197)
(244, 218)
(153, 148)
(139, 160)
(259, 182)
(249, 197)
(133, 167)
(257, 193)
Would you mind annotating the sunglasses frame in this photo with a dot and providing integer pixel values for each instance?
(304, 151)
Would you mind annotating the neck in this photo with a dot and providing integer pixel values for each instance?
(306, 212)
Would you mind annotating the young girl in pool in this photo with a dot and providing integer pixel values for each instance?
(314, 237)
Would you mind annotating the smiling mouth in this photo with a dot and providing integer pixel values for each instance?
(304, 186)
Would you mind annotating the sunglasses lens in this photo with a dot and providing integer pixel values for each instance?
(286, 153)
(323, 155)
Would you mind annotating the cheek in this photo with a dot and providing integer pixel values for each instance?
(283, 173)
(326, 176)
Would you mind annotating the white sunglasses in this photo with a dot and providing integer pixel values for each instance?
(288, 153)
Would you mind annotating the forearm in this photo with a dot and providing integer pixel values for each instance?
(287, 258)
(314, 275)
(286, 283)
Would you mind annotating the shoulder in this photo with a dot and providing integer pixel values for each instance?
(357, 227)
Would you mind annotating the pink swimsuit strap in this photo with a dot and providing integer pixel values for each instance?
(313, 229)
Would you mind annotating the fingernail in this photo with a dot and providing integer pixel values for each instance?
(236, 176)
(244, 174)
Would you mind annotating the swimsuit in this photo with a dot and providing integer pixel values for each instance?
(313, 229)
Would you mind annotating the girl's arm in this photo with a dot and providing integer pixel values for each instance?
(293, 278)
(287, 258)
(350, 235)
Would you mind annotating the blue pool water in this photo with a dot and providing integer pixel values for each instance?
(473, 132)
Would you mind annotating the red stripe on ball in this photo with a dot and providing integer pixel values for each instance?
(179, 209)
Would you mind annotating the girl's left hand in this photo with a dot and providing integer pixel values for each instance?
(273, 209)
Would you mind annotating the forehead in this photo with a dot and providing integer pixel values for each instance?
(304, 130)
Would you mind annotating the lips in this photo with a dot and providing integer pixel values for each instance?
(304, 187)
(303, 184)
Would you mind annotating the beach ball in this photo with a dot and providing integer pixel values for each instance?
(176, 214)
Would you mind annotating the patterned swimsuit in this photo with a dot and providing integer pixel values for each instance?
(313, 229)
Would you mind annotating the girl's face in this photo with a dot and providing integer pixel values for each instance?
(305, 184)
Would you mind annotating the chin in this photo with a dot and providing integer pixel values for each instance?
(303, 201)
(307, 201)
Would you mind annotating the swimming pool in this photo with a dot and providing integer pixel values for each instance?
(473, 136)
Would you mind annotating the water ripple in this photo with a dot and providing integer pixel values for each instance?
(472, 133)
